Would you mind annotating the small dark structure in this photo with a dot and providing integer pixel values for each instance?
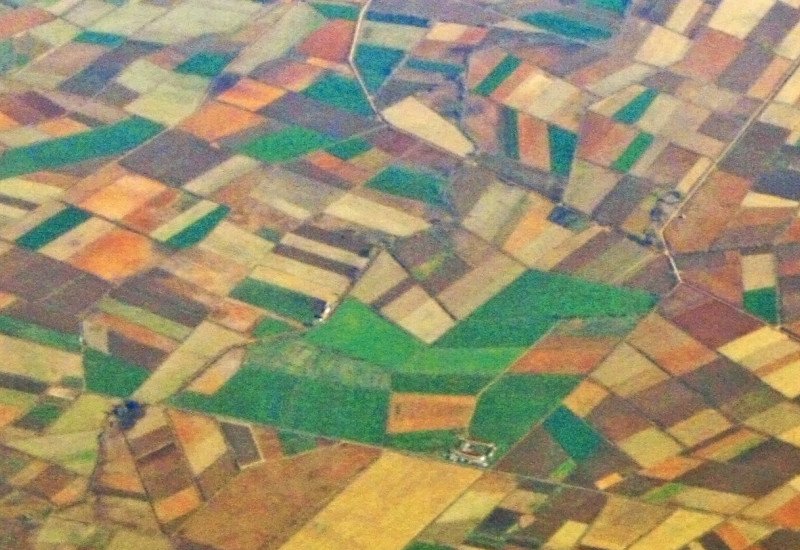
(128, 413)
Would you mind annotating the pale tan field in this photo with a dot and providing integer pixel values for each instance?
(386, 506)
(419, 314)
(205, 344)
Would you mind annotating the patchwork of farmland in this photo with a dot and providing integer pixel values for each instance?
(399, 275)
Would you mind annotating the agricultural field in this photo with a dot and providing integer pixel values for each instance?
(386, 275)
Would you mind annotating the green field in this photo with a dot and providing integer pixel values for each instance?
(208, 64)
(664, 493)
(486, 332)
(563, 145)
(336, 410)
(52, 228)
(376, 64)
(615, 6)
(568, 26)
(340, 92)
(293, 443)
(292, 354)
(498, 75)
(450, 70)
(410, 183)
(445, 384)
(253, 394)
(423, 442)
(633, 152)
(296, 385)
(509, 132)
(99, 38)
(575, 436)
(42, 415)
(564, 296)
(318, 406)
(350, 148)
(286, 144)
(763, 303)
(39, 334)
(99, 142)
(280, 300)
(337, 11)
(511, 406)
(527, 308)
(633, 111)
(270, 327)
(355, 330)
(111, 375)
(461, 361)
(199, 230)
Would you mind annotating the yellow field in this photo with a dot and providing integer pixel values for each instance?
(471, 291)
(200, 437)
(370, 214)
(220, 372)
(74, 451)
(419, 314)
(558, 247)
(205, 343)
(36, 361)
(89, 412)
(739, 17)
(382, 275)
(491, 212)
(679, 529)
(622, 522)
(418, 119)
(663, 47)
(386, 507)
(456, 523)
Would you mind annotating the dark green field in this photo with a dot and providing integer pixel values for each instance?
(39, 334)
(280, 300)
(527, 308)
(574, 435)
(208, 64)
(286, 144)
(410, 183)
(445, 384)
(52, 228)
(111, 375)
(461, 361)
(423, 442)
(376, 63)
(568, 25)
(199, 230)
(763, 303)
(511, 406)
(323, 407)
(99, 142)
(338, 91)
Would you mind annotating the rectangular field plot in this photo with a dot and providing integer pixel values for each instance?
(386, 506)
